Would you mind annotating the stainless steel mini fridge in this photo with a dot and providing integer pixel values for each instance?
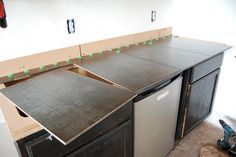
(155, 120)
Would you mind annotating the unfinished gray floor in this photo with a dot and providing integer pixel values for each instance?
(190, 146)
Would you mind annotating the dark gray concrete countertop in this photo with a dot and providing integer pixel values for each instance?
(66, 104)
(168, 56)
(143, 67)
(196, 46)
(135, 74)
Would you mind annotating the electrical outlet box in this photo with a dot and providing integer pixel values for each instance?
(153, 15)
(71, 26)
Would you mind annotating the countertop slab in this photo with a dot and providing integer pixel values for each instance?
(168, 56)
(130, 72)
(66, 104)
(142, 67)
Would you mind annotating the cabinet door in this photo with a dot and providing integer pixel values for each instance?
(117, 143)
(200, 100)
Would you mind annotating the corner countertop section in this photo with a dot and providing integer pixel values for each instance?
(178, 52)
(195, 46)
(66, 104)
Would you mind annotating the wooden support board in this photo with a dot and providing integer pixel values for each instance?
(29, 65)
(22, 67)
(65, 103)
(123, 41)
(19, 126)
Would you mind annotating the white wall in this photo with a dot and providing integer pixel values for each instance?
(213, 20)
(37, 26)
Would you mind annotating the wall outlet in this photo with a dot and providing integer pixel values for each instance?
(153, 15)
(71, 26)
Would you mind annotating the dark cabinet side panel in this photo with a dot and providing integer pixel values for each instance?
(200, 100)
(183, 104)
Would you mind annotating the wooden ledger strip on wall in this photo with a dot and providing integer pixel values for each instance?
(22, 67)
(66, 104)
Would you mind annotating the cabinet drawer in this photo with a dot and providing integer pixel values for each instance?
(206, 67)
(41, 144)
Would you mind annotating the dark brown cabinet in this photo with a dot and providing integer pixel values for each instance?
(197, 96)
(114, 144)
(201, 95)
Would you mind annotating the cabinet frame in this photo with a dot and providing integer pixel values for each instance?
(188, 82)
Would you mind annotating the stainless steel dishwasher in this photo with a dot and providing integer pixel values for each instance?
(155, 113)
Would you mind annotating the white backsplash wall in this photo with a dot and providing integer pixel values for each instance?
(213, 20)
(38, 26)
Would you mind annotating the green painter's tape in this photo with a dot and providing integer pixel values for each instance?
(144, 42)
(118, 51)
(41, 67)
(157, 38)
(26, 71)
(55, 64)
(10, 76)
(68, 60)
(79, 57)
(150, 42)
(110, 50)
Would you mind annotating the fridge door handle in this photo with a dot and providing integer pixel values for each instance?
(163, 94)
(157, 88)
(151, 91)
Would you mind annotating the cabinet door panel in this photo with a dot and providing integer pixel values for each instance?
(117, 143)
(200, 100)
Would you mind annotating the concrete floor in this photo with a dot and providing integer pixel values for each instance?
(190, 146)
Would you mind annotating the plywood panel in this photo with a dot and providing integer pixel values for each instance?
(105, 45)
(19, 127)
(18, 68)
(66, 104)
(23, 66)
